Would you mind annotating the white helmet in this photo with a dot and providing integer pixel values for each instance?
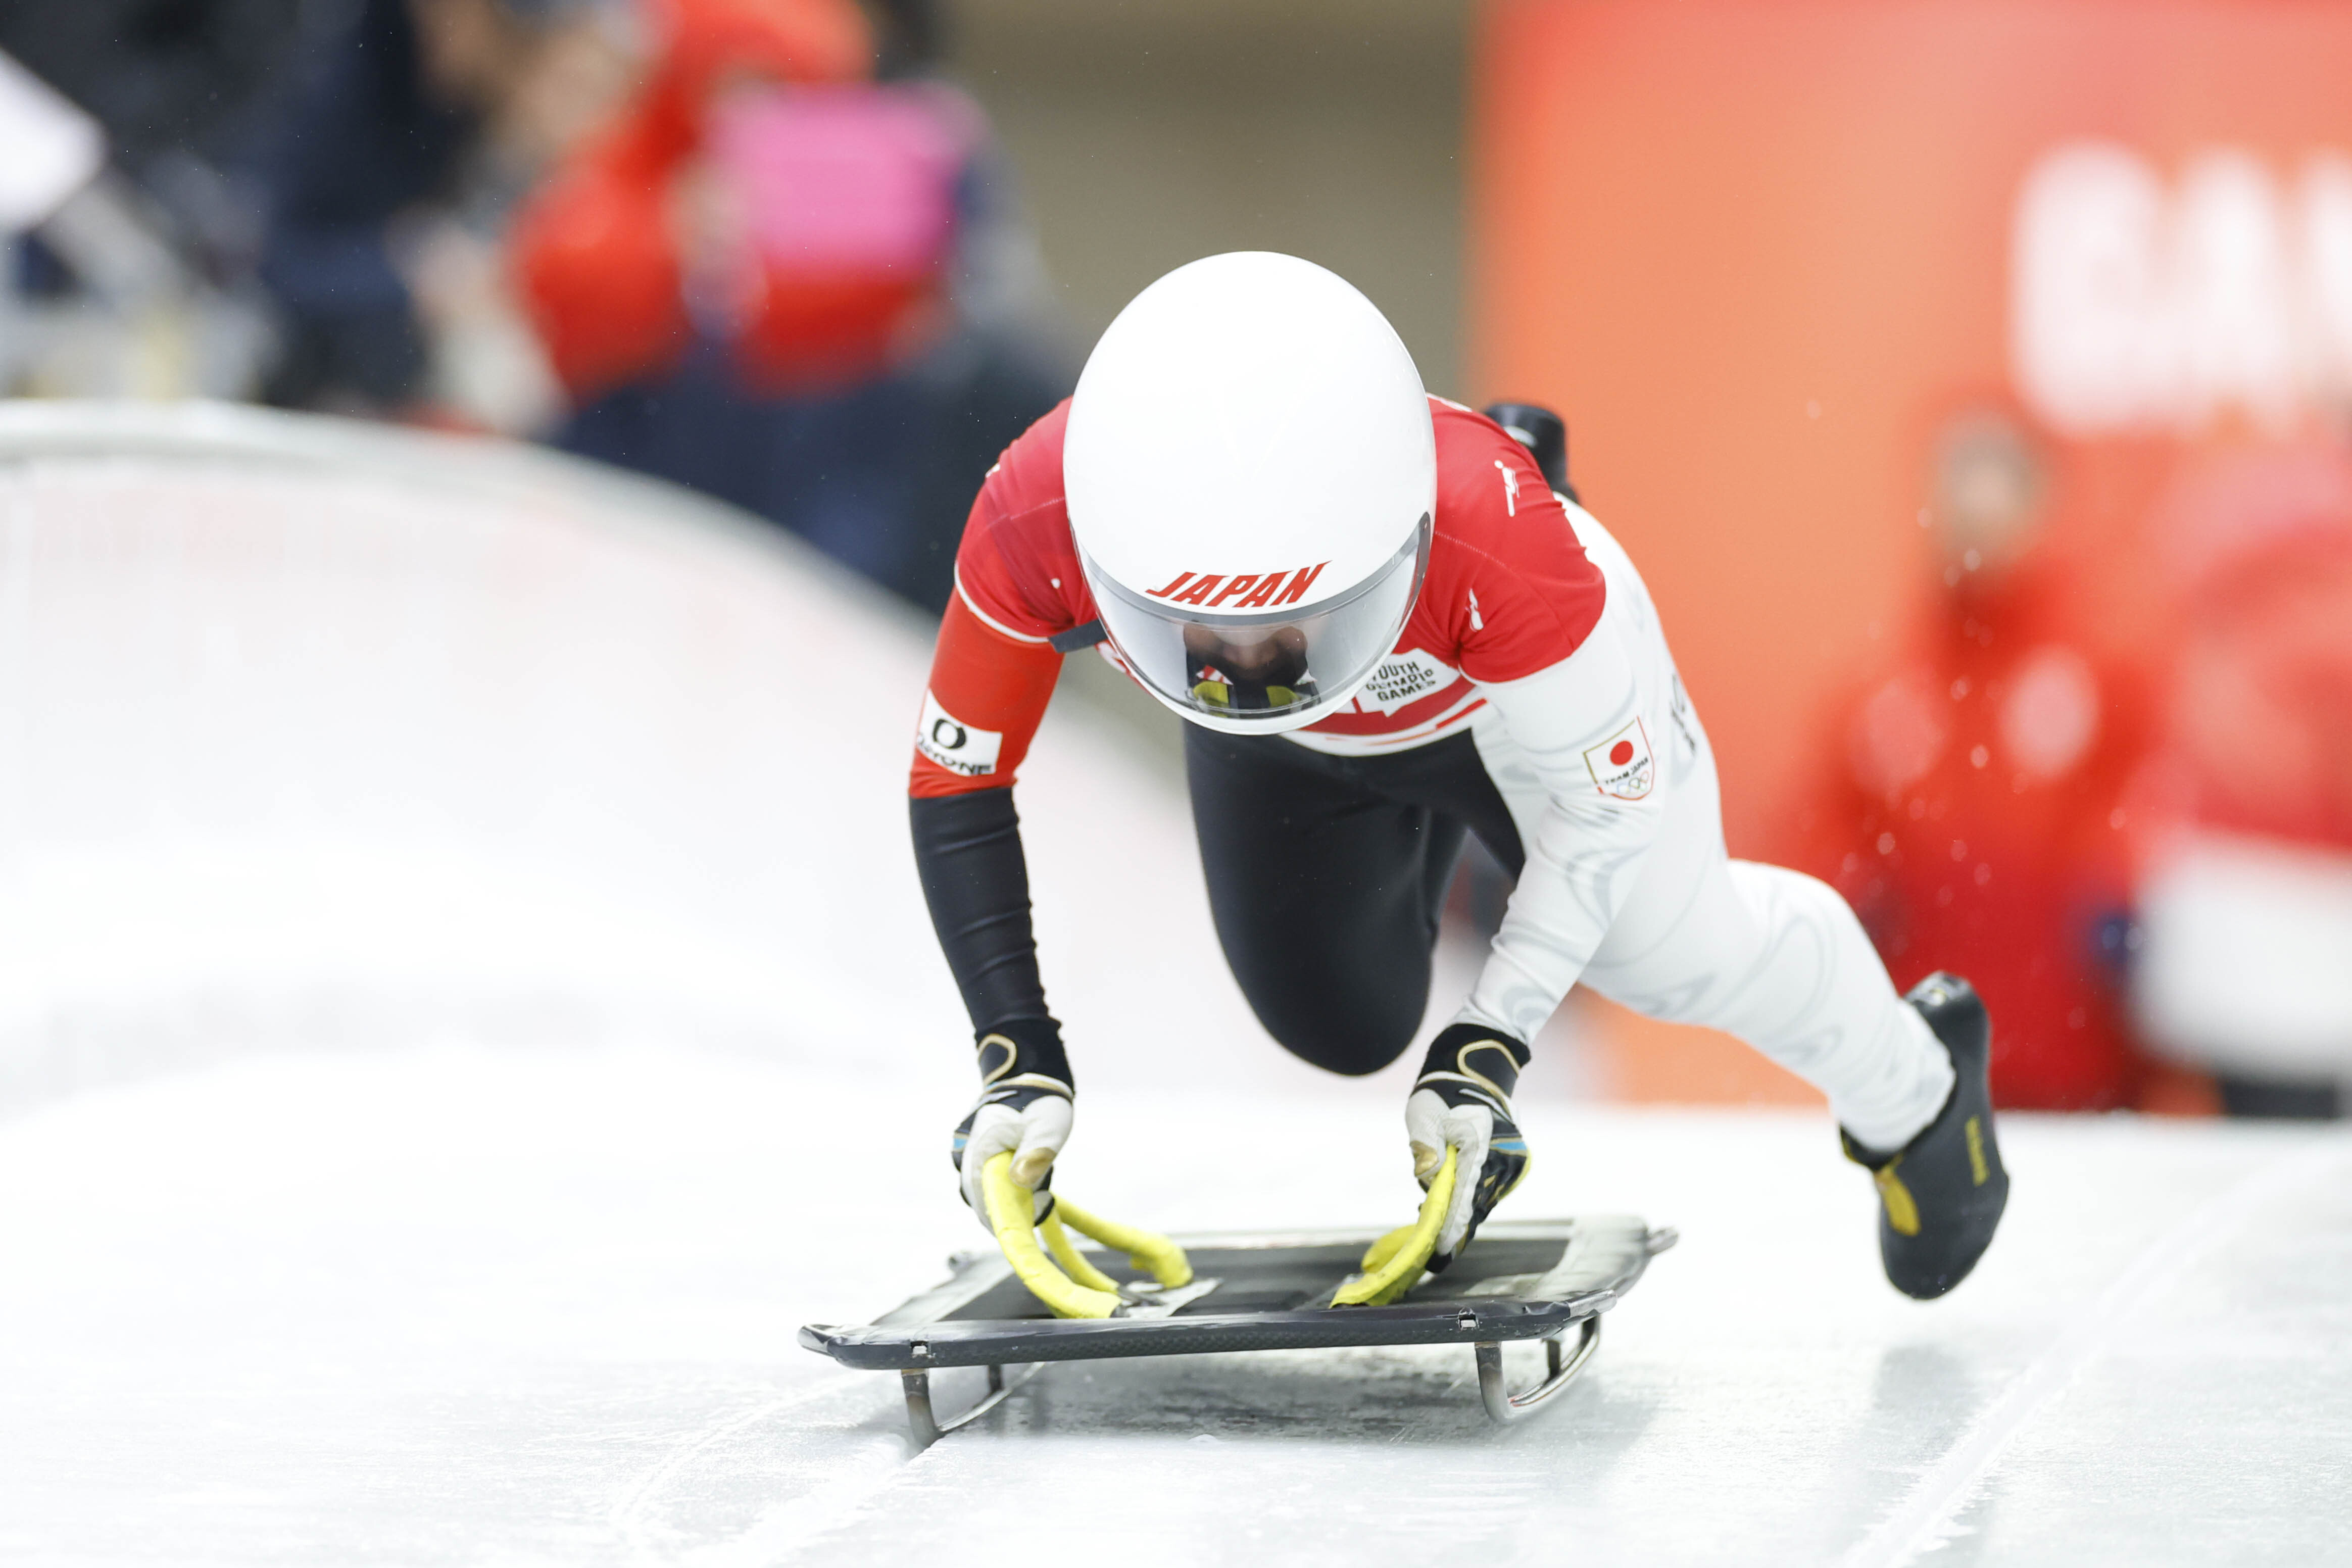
(1251, 472)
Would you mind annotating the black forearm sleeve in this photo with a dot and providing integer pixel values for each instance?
(976, 881)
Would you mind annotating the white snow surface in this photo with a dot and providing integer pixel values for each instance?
(468, 1004)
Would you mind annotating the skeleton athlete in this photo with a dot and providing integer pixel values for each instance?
(1387, 631)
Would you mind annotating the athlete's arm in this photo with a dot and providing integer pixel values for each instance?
(993, 674)
(1557, 649)
(988, 692)
(1579, 725)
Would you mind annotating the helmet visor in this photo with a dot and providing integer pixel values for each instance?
(1273, 668)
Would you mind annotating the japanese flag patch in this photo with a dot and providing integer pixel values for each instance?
(954, 745)
(1620, 765)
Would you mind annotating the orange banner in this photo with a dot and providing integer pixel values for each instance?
(1760, 253)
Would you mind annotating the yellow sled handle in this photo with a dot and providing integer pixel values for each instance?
(1147, 1249)
(1084, 1292)
(1065, 1253)
(1394, 1264)
(1012, 1215)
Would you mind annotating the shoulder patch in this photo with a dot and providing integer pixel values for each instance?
(1622, 766)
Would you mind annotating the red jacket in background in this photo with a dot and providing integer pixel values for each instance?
(1973, 811)
(594, 249)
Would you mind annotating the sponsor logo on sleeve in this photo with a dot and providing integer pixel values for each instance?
(1620, 765)
(954, 744)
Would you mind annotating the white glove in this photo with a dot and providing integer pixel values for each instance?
(1462, 1101)
(1025, 1108)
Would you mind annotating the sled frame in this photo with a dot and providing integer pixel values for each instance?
(1541, 1280)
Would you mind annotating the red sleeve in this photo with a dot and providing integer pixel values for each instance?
(1017, 585)
(987, 696)
(1017, 568)
(1520, 594)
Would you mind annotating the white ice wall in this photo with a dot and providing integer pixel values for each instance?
(317, 733)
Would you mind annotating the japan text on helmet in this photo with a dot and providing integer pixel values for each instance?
(1251, 472)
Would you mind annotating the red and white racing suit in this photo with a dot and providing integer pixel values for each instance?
(1531, 697)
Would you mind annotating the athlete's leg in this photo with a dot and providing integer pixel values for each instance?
(1775, 958)
(1325, 891)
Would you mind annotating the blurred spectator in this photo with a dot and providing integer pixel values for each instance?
(391, 180)
(131, 282)
(2247, 900)
(163, 76)
(54, 149)
(1973, 811)
(797, 289)
(178, 86)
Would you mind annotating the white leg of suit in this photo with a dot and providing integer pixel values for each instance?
(1779, 959)
(1770, 955)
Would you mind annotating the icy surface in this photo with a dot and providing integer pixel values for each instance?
(442, 1304)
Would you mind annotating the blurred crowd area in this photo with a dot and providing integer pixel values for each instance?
(775, 250)
(2109, 776)
(761, 247)
(771, 250)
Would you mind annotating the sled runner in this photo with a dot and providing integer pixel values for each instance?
(1518, 1279)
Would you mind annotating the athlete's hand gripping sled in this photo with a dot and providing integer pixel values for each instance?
(1077, 1289)
(1395, 1263)
(1458, 1118)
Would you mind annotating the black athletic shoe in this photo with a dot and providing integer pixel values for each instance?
(1941, 1194)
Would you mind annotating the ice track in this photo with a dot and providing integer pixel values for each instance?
(459, 930)
(448, 1304)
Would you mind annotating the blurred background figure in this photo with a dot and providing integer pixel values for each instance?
(128, 278)
(1973, 811)
(54, 149)
(177, 84)
(390, 177)
(792, 276)
(764, 248)
(2247, 892)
